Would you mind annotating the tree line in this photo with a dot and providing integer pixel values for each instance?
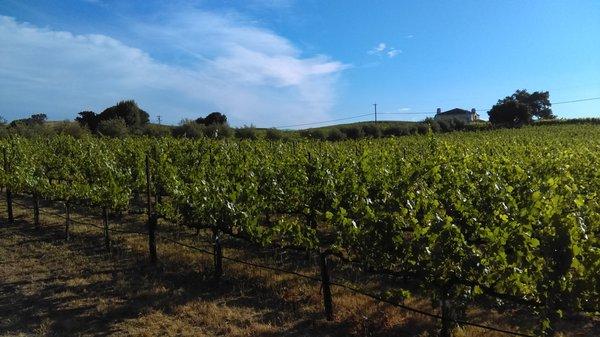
(127, 118)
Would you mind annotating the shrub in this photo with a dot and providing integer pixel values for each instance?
(412, 130)
(29, 130)
(218, 131)
(335, 135)
(274, 134)
(434, 125)
(459, 124)
(353, 132)
(445, 125)
(372, 130)
(396, 130)
(72, 129)
(155, 130)
(3, 131)
(317, 134)
(422, 128)
(188, 130)
(115, 127)
(247, 132)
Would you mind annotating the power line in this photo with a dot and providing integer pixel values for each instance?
(406, 113)
(321, 122)
(416, 113)
(576, 100)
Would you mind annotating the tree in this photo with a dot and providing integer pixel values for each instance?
(538, 102)
(129, 111)
(88, 119)
(38, 118)
(510, 112)
(521, 108)
(35, 119)
(213, 118)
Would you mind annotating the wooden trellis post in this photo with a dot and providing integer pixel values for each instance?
(9, 197)
(36, 210)
(152, 218)
(67, 220)
(326, 286)
(106, 232)
(218, 254)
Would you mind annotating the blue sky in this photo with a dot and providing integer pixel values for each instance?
(285, 62)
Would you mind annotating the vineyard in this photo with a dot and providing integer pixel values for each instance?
(507, 215)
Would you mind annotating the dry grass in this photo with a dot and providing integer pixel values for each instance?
(49, 287)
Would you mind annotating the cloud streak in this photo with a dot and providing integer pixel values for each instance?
(382, 49)
(223, 63)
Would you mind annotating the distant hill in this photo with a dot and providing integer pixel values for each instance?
(382, 124)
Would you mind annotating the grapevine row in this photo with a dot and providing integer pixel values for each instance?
(511, 213)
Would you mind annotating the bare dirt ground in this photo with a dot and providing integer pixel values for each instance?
(53, 287)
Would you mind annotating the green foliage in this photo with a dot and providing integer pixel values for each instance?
(353, 132)
(128, 111)
(30, 130)
(217, 131)
(113, 128)
(458, 215)
(372, 130)
(71, 129)
(274, 134)
(38, 118)
(247, 132)
(396, 131)
(35, 119)
(316, 134)
(156, 130)
(189, 129)
(213, 118)
(521, 108)
(422, 129)
(336, 135)
(88, 119)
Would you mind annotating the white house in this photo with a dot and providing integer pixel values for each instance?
(456, 113)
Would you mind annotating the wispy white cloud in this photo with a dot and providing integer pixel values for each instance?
(377, 49)
(250, 73)
(383, 49)
(393, 52)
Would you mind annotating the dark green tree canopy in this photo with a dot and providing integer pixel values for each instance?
(38, 118)
(510, 112)
(213, 118)
(88, 119)
(128, 111)
(35, 119)
(521, 108)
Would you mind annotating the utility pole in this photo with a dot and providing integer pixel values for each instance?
(375, 105)
(158, 120)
